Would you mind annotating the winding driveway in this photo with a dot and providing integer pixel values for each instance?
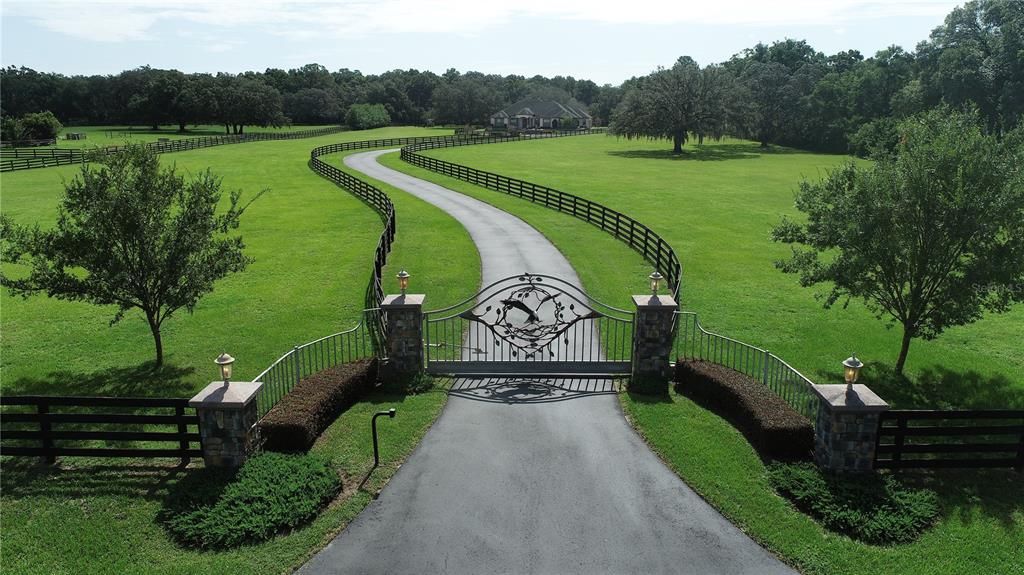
(531, 475)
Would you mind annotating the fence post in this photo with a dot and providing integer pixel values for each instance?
(764, 368)
(846, 432)
(43, 409)
(182, 431)
(298, 366)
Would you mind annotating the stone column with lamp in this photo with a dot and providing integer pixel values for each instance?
(404, 319)
(652, 339)
(847, 424)
(227, 413)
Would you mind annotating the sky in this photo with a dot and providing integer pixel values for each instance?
(607, 42)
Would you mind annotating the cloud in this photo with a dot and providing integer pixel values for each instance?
(121, 20)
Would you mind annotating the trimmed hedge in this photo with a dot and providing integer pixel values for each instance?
(217, 509)
(774, 428)
(869, 507)
(293, 425)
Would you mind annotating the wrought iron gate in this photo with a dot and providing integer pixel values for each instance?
(529, 323)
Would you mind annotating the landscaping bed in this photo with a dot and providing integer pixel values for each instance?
(293, 425)
(774, 428)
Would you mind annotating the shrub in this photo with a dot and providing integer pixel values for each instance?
(774, 428)
(869, 507)
(307, 410)
(38, 126)
(216, 509)
(366, 116)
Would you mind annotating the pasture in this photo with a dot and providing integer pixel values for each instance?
(716, 205)
(313, 244)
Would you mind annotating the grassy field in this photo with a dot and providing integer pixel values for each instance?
(313, 245)
(716, 205)
(102, 136)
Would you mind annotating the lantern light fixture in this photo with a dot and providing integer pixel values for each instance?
(403, 280)
(224, 361)
(656, 279)
(851, 369)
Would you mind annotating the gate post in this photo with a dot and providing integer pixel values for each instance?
(847, 428)
(227, 415)
(652, 342)
(404, 315)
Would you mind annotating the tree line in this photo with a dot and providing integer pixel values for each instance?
(786, 92)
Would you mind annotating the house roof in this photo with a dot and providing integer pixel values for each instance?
(541, 108)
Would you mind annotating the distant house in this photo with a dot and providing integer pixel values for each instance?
(540, 114)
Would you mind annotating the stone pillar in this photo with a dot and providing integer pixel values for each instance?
(405, 333)
(227, 413)
(847, 427)
(652, 342)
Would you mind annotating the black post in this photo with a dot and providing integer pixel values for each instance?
(44, 432)
(373, 426)
(183, 442)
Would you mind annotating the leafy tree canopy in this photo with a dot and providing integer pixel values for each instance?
(930, 236)
(133, 235)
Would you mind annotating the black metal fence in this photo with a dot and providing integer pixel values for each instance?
(626, 229)
(957, 439)
(10, 160)
(48, 427)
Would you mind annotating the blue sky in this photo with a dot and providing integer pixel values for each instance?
(607, 42)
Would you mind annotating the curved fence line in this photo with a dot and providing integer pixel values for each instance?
(693, 342)
(636, 235)
(17, 159)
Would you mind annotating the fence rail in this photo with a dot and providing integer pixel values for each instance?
(951, 439)
(635, 234)
(53, 427)
(9, 163)
(693, 342)
(309, 358)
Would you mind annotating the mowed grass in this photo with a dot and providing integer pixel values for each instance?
(981, 512)
(314, 245)
(102, 136)
(716, 206)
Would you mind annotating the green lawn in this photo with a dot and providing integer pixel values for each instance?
(313, 243)
(980, 530)
(716, 206)
(103, 136)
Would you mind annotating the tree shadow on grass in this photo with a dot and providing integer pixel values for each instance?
(143, 380)
(84, 478)
(937, 387)
(966, 495)
(706, 153)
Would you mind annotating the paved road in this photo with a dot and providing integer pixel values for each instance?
(523, 475)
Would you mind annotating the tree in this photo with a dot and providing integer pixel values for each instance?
(671, 103)
(465, 100)
(38, 126)
(366, 116)
(930, 236)
(133, 235)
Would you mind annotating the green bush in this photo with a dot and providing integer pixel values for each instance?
(366, 116)
(217, 509)
(38, 126)
(870, 507)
